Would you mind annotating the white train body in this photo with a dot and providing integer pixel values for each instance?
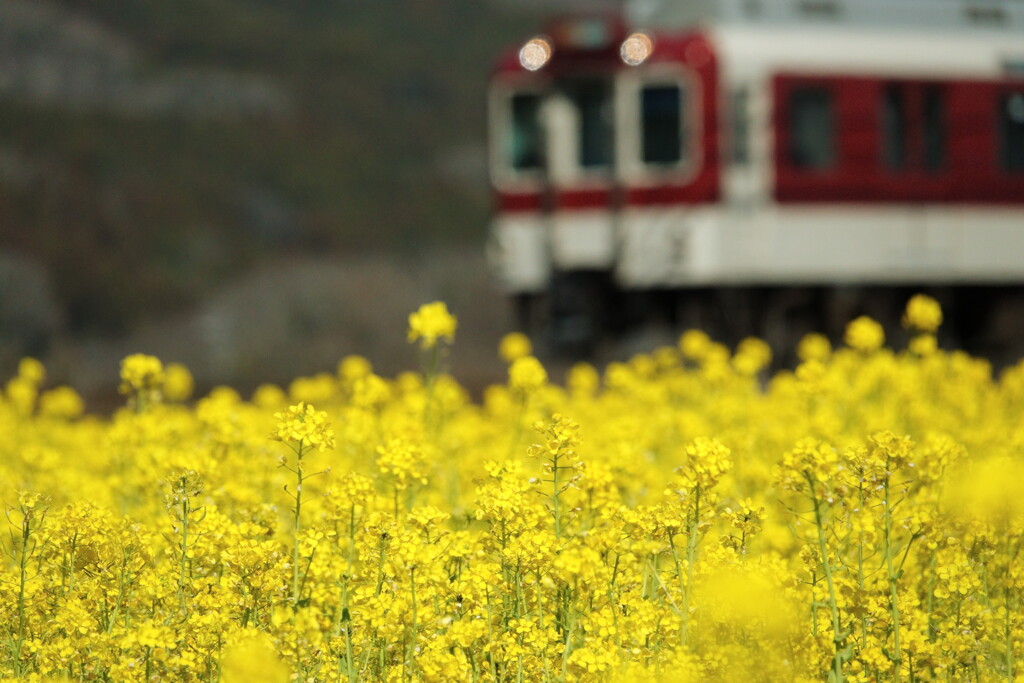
(802, 154)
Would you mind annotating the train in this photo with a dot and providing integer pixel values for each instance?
(764, 167)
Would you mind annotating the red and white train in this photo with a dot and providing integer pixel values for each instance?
(742, 167)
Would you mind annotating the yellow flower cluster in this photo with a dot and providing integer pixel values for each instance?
(682, 518)
(526, 374)
(923, 313)
(22, 390)
(303, 424)
(140, 372)
(514, 346)
(865, 334)
(431, 323)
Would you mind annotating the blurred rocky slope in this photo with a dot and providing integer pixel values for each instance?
(158, 160)
(300, 315)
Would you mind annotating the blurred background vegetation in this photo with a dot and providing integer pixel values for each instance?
(168, 168)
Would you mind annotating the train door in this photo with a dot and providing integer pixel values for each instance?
(662, 170)
(518, 245)
(579, 117)
(552, 164)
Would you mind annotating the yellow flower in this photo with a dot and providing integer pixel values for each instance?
(752, 356)
(864, 334)
(987, 489)
(814, 346)
(61, 402)
(305, 425)
(320, 387)
(526, 374)
(514, 346)
(430, 323)
(582, 379)
(352, 368)
(809, 459)
(253, 659)
(28, 500)
(148, 634)
(594, 660)
(695, 344)
(426, 547)
(140, 372)
(269, 396)
(179, 384)
(403, 461)
(370, 391)
(923, 345)
(562, 437)
(32, 370)
(923, 313)
(707, 460)
(21, 392)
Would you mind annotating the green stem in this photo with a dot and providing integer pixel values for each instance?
(691, 558)
(184, 552)
(71, 563)
(26, 532)
(930, 602)
(555, 492)
(298, 524)
(415, 626)
(679, 574)
(860, 571)
(352, 671)
(120, 594)
(540, 603)
(380, 566)
(893, 583)
(1007, 626)
(568, 647)
(837, 660)
(814, 605)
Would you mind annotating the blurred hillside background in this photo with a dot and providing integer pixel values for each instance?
(252, 187)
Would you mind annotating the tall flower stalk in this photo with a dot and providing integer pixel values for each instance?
(303, 429)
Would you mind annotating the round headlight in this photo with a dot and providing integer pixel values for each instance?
(535, 53)
(636, 48)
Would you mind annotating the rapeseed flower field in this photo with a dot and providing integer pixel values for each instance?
(676, 517)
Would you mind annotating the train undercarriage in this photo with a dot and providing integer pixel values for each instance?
(583, 313)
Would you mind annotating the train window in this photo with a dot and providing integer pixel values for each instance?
(1011, 131)
(894, 128)
(661, 109)
(811, 128)
(593, 103)
(740, 127)
(933, 117)
(525, 142)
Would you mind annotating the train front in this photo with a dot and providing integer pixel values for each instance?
(599, 138)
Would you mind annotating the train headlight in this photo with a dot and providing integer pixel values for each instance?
(535, 53)
(636, 48)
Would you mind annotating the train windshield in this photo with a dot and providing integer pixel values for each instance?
(661, 110)
(575, 129)
(592, 101)
(525, 142)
